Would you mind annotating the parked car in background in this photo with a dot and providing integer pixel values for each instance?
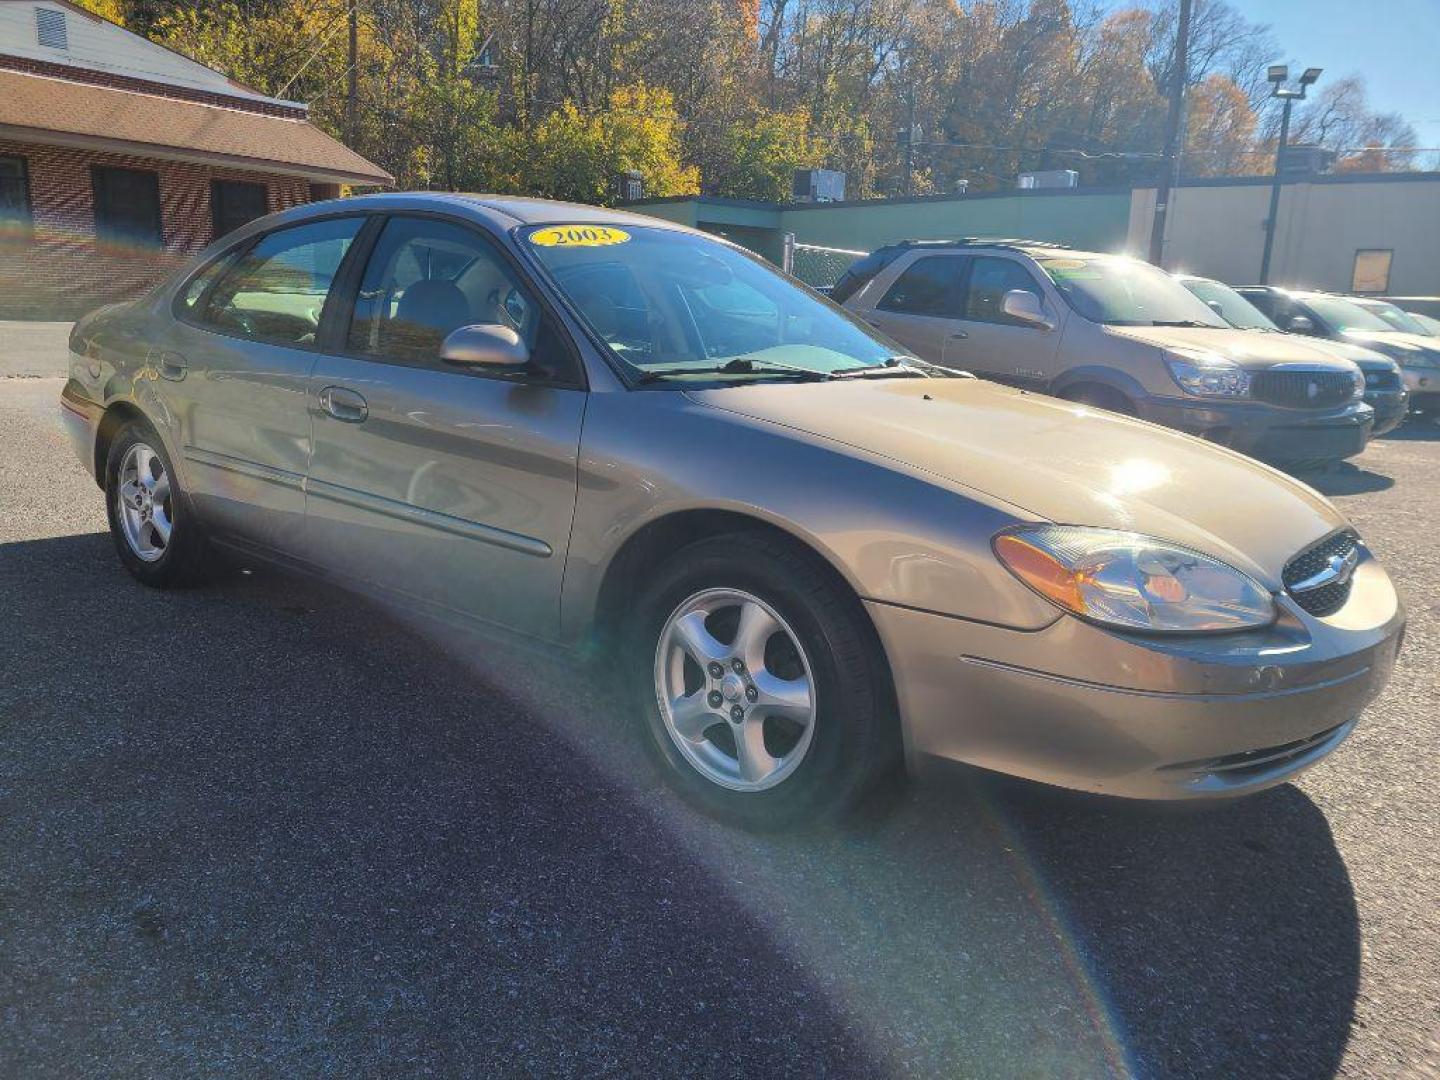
(1393, 314)
(1430, 324)
(1338, 318)
(790, 552)
(1115, 333)
(1385, 390)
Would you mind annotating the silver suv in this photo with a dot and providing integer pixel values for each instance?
(1112, 332)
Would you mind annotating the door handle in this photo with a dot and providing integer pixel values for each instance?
(959, 334)
(173, 366)
(344, 405)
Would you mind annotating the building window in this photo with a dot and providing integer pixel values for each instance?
(1372, 271)
(234, 203)
(127, 206)
(14, 198)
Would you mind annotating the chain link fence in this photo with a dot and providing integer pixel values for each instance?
(818, 266)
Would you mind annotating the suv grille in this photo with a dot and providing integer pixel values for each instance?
(1382, 380)
(1326, 599)
(1302, 389)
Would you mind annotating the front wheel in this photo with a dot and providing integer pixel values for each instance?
(763, 688)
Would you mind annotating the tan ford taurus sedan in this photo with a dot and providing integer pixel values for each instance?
(807, 554)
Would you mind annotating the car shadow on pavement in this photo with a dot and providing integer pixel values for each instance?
(1416, 429)
(262, 822)
(1346, 478)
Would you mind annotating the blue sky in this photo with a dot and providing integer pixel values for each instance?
(1394, 44)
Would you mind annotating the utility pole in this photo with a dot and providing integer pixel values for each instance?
(1277, 76)
(352, 91)
(909, 188)
(1174, 122)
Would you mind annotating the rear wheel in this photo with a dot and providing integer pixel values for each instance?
(156, 534)
(763, 690)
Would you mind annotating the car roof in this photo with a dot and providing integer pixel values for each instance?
(1028, 247)
(518, 209)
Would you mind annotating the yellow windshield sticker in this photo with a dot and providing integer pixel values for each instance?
(579, 236)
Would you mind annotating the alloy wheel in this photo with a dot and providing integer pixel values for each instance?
(735, 689)
(144, 503)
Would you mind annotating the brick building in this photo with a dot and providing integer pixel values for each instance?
(120, 158)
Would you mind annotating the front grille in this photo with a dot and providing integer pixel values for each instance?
(1327, 599)
(1382, 380)
(1302, 389)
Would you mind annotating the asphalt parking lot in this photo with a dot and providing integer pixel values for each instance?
(264, 828)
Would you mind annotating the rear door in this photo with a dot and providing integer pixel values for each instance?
(450, 486)
(918, 305)
(988, 342)
(235, 368)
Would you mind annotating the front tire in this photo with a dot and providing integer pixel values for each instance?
(156, 533)
(1100, 397)
(763, 689)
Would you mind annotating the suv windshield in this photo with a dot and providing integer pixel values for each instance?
(1121, 291)
(1344, 315)
(675, 306)
(1229, 304)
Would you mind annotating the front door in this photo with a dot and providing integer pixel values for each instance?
(235, 368)
(990, 343)
(451, 486)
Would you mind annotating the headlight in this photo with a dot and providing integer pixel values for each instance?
(1208, 375)
(1134, 582)
(1360, 382)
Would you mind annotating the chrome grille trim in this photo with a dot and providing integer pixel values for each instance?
(1319, 578)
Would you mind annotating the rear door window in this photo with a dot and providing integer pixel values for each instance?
(928, 286)
(276, 291)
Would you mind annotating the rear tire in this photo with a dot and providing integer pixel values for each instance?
(815, 727)
(157, 535)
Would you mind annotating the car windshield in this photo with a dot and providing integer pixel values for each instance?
(1229, 305)
(1396, 317)
(674, 306)
(1344, 315)
(1121, 291)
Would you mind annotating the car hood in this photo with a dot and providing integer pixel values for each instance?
(1397, 344)
(1243, 347)
(1348, 350)
(1057, 461)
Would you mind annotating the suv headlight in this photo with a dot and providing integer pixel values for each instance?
(1133, 582)
(1208, 374)
(1360, 382)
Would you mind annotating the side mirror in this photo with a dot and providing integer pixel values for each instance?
(485, 345)
(1025, 307)
(1300, 324)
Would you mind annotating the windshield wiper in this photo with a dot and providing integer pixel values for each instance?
(1185, 322)
(905, 364)
(740, 365)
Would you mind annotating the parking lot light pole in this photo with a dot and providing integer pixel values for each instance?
(1277, 76)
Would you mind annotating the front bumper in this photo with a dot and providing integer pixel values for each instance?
(1142, 717)
(1424, 386)
(1266, 431)
(1390, 408)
